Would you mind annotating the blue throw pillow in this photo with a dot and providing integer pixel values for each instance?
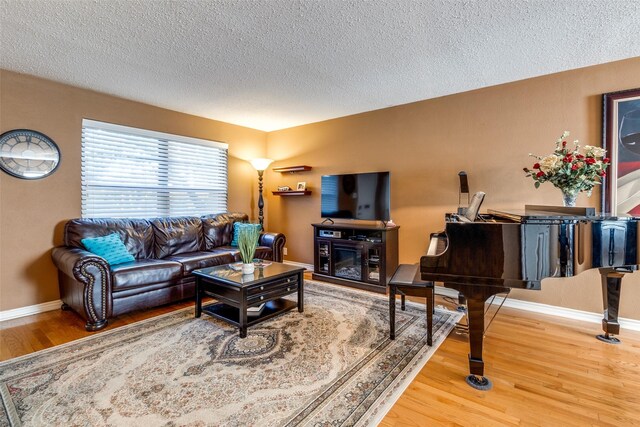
(237, 226)
(109, 247)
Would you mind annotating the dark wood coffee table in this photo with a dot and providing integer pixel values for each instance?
(236, 292)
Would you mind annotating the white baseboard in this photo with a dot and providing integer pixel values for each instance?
(535, 307)
(29, 310)
(299, 264)
(553, 310)
(569, 313)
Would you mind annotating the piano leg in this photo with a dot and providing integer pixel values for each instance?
(476, 297)
(611, 283)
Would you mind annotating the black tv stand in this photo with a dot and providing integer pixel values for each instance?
(360, 256)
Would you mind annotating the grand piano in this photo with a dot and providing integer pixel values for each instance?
(518, 249)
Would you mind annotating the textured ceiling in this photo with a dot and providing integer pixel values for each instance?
(271, 64)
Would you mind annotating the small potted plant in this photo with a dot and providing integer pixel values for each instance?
(247, 244)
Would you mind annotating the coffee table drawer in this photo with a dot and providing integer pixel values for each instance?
(271, 292)
(259, 289)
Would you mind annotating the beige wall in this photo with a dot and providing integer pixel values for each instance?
(488, 133)
(31, 212)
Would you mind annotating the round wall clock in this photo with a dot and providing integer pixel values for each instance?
(28, 154)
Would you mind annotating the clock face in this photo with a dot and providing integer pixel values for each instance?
(28, 154)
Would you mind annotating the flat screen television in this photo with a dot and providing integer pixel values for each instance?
(363, 196)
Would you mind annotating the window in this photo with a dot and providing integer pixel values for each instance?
(135, 173)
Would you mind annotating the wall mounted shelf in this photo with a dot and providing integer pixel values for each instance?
(292, 169)
(292, 193)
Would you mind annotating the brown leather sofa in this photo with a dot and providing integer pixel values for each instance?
(166, 251)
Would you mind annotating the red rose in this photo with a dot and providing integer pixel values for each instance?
(590, 160)
(539, 174)
(536, 166)
(575, 167)
(602, 173)
(567, 159)
(606, 160)
(579, 156)
(564, 144)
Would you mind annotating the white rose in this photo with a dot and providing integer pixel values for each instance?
(592, 151)
(550, 164)
(564, 136)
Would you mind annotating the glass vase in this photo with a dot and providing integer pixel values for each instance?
(569, 198)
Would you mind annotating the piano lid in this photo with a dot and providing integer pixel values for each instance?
(556, 213)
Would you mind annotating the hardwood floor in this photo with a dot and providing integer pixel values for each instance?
(32, 333)
(546, 371)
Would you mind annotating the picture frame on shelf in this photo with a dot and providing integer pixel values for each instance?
(621, 139)
(301, 186)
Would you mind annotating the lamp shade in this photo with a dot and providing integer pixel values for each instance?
(261, 164)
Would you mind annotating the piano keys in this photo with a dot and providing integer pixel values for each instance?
(518, 249)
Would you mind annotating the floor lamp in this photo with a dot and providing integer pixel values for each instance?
(260, 165)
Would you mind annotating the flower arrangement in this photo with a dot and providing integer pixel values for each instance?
(570, 170)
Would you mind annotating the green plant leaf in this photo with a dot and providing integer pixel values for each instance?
(247, 243)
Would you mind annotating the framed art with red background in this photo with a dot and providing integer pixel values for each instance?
(621, 139)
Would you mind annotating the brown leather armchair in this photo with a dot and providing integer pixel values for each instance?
(166, 251)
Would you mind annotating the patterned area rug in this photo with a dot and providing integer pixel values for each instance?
(331, 365)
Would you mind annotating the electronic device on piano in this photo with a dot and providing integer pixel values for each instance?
(518, 249)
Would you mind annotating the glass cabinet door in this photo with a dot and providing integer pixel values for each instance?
(373, 264)
(324, 257)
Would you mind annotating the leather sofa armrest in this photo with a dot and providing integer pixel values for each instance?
(276, 242)
(85, 284)
(69, 260)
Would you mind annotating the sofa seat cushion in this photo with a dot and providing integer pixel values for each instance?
(195, 260)
(262, 252)
(144, 272)
(235, 253)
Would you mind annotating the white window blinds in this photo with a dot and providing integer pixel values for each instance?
(135, 173)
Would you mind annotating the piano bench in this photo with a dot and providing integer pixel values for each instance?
(407, 281)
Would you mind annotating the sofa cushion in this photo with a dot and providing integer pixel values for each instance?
(218, 229)
(175, 236)
(239, 226)
(144, 272)
(109, 247)
(234, 252)
(137, 234)
(194, 260)
(262, 252)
